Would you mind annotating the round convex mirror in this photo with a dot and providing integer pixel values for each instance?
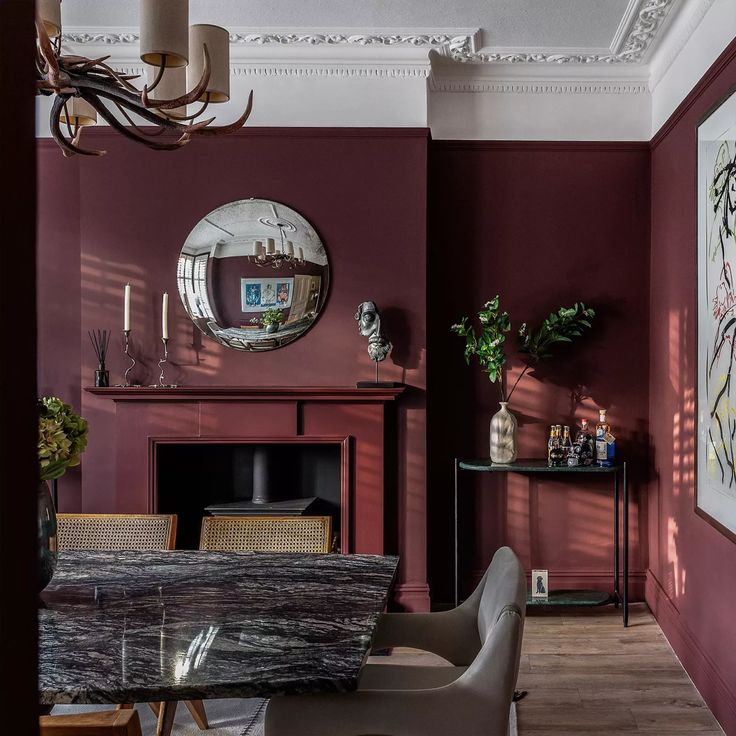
(253, 275)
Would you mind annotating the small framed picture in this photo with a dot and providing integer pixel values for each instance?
(540, 584)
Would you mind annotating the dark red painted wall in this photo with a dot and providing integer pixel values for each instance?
(365, 193)
(58, 292)
(690, 586)
(543, 225)
(503, 217)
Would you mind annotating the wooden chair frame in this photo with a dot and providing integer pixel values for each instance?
(100, 723)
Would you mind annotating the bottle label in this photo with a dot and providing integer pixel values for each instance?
(601, 449)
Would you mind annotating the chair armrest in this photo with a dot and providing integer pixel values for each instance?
(449, 634)
(100, 723)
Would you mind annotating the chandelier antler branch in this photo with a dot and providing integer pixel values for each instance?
(110, 95)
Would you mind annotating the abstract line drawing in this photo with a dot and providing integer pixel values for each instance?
(716, 467)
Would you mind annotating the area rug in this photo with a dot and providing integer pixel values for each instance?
(230, 717)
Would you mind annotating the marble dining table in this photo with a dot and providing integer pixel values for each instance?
(131, 627)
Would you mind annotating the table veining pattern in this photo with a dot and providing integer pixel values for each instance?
(149, 626)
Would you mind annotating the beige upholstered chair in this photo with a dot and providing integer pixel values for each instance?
(472, 696)
(124, 532)
(266, 533)
(102, 723)
(116, 531)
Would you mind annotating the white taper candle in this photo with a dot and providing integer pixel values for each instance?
(126, 311)
(165, 317)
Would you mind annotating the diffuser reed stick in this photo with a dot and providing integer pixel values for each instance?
(100, 340)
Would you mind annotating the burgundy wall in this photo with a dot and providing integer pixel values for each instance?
(503, 217)
(365, 193)
(690, 583)
(543, 225)
(58, 290)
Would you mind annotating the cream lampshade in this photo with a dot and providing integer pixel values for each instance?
(217, 40)
(164, 32)
(173, 84)
(50, 13)
(80, 113)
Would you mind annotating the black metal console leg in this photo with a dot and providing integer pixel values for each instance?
(616, 526)
(626, 547)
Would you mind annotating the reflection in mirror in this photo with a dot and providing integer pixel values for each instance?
(253, 275)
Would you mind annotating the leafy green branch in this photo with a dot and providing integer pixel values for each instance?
(562, 326)
(488, 345)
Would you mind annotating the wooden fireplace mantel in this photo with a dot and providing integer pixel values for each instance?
(247, 393)
(131, 424)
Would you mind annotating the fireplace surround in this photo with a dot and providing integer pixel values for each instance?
(360, 423)
(190, 474)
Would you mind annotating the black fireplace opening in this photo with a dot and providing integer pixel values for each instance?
(252, 477)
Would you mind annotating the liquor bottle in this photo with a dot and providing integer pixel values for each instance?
(602, 438)
(555, 456)
(566, 444)
(550, 444)
(584, 447)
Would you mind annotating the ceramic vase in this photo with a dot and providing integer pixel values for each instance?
(46, 536)
(503, 436)
(273, 327)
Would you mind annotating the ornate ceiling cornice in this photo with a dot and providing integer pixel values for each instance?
(645, 20)
(640, 25)
(539, 87)
(460, 41)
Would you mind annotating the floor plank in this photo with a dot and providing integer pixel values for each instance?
(586, 674)
(628, 680)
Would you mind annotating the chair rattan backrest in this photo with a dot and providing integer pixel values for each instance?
(116, 531)
(266, 533)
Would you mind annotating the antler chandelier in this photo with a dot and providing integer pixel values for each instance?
(177, 56)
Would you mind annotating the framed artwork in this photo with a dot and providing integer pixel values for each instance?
(540, 584)
(259, 294)
(715, 493)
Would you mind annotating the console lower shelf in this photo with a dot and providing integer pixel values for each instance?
(573, 598)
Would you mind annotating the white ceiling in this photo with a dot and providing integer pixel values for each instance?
(526, 26)
(486, 69)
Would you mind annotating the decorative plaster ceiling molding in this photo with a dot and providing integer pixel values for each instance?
(546, 87)
(638, 28)
(326, 70)
(539, 80)
(335, 53)
(460, 41)
(334, 71)
(672, 44)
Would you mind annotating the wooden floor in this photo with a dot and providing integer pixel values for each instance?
(586, 674)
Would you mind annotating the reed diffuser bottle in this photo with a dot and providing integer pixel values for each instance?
(100, 340)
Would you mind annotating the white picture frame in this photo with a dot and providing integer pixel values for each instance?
(715, 491)
(540, 584)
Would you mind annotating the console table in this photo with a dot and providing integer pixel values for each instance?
(580, 597)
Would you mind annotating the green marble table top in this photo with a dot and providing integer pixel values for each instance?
(533, 465)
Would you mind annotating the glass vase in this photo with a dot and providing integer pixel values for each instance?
(503, 436)
(46, 536)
